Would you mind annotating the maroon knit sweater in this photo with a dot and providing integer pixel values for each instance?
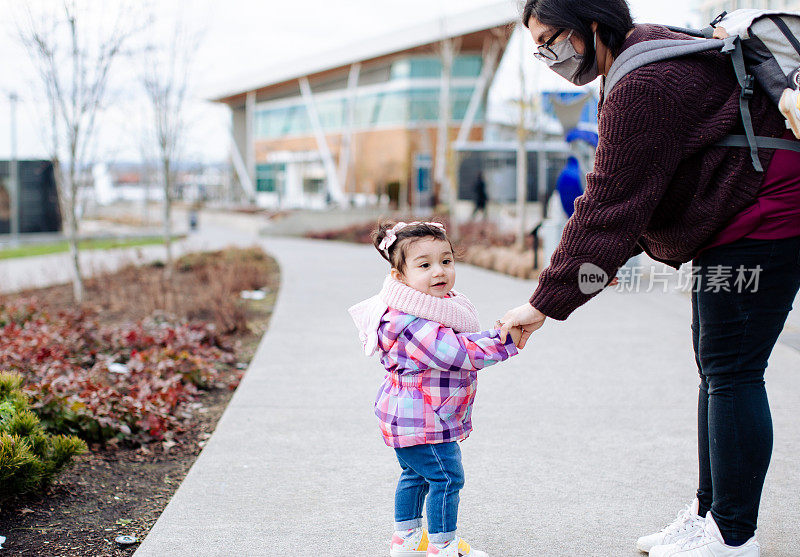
(658, 183)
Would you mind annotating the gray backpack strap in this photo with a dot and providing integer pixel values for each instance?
(705, 33)
(786, 32)
(733, 45)
(761, 142)
(746, 84)
(648, 52)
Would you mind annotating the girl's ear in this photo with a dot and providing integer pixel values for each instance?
(397, 275)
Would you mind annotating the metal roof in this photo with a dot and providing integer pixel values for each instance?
(494, 15)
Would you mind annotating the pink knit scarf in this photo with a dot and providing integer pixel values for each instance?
(454, 311)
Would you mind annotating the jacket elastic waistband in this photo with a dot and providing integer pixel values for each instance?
(412, 380)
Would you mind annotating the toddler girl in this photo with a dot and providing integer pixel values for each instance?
(427, 336)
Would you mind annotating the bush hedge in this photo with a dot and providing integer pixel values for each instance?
(29, 457)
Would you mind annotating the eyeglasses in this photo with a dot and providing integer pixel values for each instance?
(544, 50)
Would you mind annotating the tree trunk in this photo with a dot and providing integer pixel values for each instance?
(77, 279)
(71, 189)
(168, 215)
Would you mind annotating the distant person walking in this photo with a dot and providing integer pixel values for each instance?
(661, 185)
(480, 197)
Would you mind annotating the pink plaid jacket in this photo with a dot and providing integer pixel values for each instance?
(427, 394)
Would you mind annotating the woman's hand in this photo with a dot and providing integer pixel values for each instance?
(516, 335)
(527, 317)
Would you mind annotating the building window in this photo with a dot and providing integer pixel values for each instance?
(387, 108)
(313, 185)
(331, 114)
(421, 67)
(424, 104)
(297, 122)
(467, 66)
(415, 105)
(394, 108)
(269, 177)
(401, 69)
(279, 122)
(426, 67)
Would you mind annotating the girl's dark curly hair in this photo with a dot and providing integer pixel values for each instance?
(405, 237)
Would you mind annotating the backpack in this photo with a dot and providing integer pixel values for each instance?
(764, 46)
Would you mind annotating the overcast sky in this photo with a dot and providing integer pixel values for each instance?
(241, 37)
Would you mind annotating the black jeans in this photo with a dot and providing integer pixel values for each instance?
(734, 327)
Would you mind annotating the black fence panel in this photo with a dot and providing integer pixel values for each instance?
(38, 204)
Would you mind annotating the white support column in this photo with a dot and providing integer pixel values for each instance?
(349, 121)
(334, 188)
(250, 121)
(241, 170)
(440, 171)
(490, 60)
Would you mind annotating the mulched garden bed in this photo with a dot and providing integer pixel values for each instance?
(121, 487)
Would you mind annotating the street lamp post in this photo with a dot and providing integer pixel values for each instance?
(522, 155)
(13, 173)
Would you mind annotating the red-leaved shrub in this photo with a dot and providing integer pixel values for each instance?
(127, 382)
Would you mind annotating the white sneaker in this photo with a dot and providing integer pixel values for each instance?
(685, 524)
(456, 548)
(415, 545)
(707, 543)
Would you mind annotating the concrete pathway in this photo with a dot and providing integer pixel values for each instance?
(47, 270)
(583, 442)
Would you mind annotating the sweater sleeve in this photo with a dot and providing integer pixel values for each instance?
(433, 346)
(639, 150)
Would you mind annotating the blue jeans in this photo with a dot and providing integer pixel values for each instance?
(434, 471)
(733, 334)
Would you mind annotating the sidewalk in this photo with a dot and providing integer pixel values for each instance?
(583, 442)
(47, 270)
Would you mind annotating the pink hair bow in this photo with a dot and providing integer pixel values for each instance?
(391, 234)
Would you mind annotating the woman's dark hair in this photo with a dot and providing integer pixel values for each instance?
(405, 237)
(613, 19)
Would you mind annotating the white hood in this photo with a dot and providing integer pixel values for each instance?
(367, 317)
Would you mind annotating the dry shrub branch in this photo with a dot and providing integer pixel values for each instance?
(205, 287)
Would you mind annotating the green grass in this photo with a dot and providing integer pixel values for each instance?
(60, 247)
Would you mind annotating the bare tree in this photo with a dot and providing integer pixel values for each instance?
(165, 79)
(73, 49)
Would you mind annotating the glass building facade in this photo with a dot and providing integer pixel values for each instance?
(409, 97)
